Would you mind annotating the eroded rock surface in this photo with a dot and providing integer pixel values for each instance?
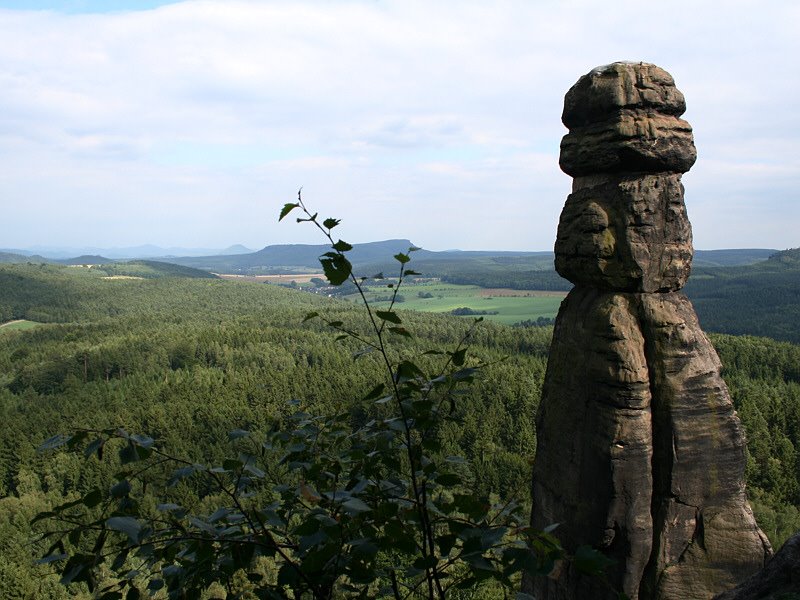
(779, 580)
(640, 452)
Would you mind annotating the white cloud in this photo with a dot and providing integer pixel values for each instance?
(435, 121)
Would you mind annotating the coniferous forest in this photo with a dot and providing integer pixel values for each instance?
(187, 359)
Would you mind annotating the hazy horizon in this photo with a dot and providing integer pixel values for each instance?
(63, 252)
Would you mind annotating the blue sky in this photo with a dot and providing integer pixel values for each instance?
(190, 123)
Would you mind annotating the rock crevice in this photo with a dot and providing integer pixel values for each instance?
(639, 450)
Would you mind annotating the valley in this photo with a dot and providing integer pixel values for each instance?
(188, 356)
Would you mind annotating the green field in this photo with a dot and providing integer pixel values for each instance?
(510, 306)
(18, 325)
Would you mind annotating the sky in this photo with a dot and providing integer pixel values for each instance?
(191, 123)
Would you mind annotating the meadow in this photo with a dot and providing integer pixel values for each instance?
(18, 325)
(501, 305)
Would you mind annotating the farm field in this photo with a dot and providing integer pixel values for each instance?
(282, 279)
(18, 325)
(510, 306)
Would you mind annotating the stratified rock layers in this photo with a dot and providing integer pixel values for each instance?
(640, 453)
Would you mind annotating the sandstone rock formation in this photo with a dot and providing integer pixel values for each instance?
(779, 580)
(640, 453)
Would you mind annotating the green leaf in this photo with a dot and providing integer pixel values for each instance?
(182, 473)
(287, 208)
(425, 562)
(376, 392)
(52, 558)
(133, 594)
(493, 536)
(255, 471)
(342, 246)
(121, 489)
(93, 498)
(448, 479)
(407, 370)
(76, 439)
(467, 374)
(365, 548)
(458, 357)
(446, 543)
(142, 440)
(400, 331)
(432, 444)
(472, 506)
(330, 223)
(478, 562)
(310, 541)
(551, 528)
(590, 561)
(237, 434)
(218, 514)
(43, 515)
(127, 525)
(54, 442)
(95, 446)
(128, 454)
(387, 315)
(363, 352)
(336, 267)
(288, 576)
(402, 258)
(410, 272)
(77, 569)
(355, 506)
(75, 536)
(310, 316)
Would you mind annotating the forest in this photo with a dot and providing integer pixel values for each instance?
(187, 359)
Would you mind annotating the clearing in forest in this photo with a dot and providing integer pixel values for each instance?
(18, 324)
(503, 305)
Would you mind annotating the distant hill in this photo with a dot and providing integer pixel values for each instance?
(16, 251)
(130, 252)
(369, 257)
(730, 258)
(13, 257)
(378, 256)
(86, 259)
(49, 293)
(236, 249)
(292, 257)
(759, 299)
